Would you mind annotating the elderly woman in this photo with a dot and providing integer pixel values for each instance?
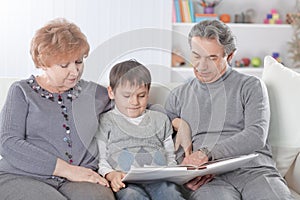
(48, 123)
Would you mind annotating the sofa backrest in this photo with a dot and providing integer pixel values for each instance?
(5, 83)
(160, 92)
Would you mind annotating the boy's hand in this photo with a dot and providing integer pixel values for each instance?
(183, 136)
(115, 179)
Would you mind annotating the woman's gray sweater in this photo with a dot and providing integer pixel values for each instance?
(37, 127)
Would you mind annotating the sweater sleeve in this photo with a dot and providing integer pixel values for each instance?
(102, 101)
(102, 139)
(172, 106)
(255, 102)
(14, 147)
(169, 144)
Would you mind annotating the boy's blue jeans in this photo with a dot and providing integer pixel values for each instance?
(152, 191)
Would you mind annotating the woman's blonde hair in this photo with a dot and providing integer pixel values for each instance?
(58, 41)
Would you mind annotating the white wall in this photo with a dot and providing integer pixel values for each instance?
(103, 22)
(106, 23)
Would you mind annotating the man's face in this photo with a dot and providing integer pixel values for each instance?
(208, 59)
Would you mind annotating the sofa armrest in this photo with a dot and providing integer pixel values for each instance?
(293, 175)
(288, 164)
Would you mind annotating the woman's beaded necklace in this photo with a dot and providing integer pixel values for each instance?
(72, 94)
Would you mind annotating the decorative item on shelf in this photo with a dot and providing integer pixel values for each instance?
(238, 63)
(273, 17)
(256, 62)
(245, 17)
(201, 17)
(294, 44)
(244, 62)
(177, 58)
(209, 7)
(225, 18)
(291, 17)
(208, 10)
(277, 57)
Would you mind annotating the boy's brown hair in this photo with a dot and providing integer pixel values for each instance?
(129, 71)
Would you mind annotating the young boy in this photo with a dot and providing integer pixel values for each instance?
(130, 135)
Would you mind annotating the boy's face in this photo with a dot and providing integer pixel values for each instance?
(130, 100)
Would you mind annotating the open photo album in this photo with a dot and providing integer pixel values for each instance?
(182, 174)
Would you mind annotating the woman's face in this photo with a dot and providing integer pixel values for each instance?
(65, 75)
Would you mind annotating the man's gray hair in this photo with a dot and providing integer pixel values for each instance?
(215, 29)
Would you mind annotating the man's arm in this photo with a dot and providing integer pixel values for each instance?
(256, 122)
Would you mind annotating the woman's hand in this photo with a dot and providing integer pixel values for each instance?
(115, 179)
(78, 173)
(183, 136)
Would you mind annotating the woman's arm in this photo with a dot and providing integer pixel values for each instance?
(77, 173)
(104, 166)
(15, 148)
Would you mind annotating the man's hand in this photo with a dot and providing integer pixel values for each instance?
(198, 182)
(197, 158)
(115, 179)
(183, 136)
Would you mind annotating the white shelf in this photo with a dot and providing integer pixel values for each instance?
(243, 25)
(253, 40)
(243, 69)
(181, 74)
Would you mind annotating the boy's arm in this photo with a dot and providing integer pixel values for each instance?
(101, 138)
(183, 136)
(104, 166)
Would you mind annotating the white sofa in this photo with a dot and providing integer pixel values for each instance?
(282, 84)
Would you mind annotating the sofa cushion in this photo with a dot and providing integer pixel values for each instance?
(284, 133)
